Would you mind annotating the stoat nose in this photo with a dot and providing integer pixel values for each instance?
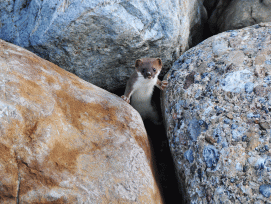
(149, 75)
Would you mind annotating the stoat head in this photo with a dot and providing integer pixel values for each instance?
(148, 67)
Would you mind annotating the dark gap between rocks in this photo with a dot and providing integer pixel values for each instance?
(163, 162)
(165, 170)
(163, 158)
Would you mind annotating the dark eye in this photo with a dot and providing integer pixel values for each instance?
(154, 69)
(143, 70)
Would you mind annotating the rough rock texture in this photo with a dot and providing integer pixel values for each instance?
(63, 140)
(235, 14)
(217, 110)
(99, 40)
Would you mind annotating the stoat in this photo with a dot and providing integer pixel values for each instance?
(140, 87)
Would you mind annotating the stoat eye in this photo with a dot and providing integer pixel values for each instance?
(154, 69)
(143, 70)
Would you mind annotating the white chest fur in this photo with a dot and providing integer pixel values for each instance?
(142, 94)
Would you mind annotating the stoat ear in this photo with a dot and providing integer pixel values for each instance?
(159, 61)
(138, 63)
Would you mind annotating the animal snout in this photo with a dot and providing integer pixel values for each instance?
(148, 74)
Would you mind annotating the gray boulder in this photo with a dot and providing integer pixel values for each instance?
(217, 111)
(100, 40)
(229, 14)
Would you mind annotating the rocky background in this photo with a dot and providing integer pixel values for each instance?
(218, 118)
(98, 40)
(216, 108)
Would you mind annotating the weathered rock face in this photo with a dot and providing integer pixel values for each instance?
(217, 110)
(235, 14)
(63, 140)
(100, 40)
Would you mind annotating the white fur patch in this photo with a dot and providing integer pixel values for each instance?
(142, 94)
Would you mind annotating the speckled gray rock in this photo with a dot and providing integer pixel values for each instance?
(236, 14)
(217, 111)
(99, 40)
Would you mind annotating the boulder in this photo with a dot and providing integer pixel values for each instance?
(63, 140)
(236, 14)
(217, 111)
(100, 40)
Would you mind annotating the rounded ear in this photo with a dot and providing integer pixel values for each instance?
(159, 61)
(138, 63)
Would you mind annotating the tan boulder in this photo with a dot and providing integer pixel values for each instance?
(63, 140)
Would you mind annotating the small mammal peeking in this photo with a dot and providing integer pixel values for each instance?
(140, 87)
